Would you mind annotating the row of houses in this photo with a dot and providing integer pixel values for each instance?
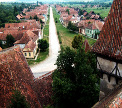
(89, 27)
(26, 33)
(40, 11)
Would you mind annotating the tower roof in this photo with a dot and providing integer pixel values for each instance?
(110, 38)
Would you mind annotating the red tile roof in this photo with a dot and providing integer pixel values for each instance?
(30, 46)
(110, 39)
(0, 49)
(112, 100)
(27, 36)
(43, 88)
(24, 40)
(87, 46)
(16, 74)
(85, 13)
(17, 34)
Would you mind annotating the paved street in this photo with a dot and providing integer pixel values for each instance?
(48, 65)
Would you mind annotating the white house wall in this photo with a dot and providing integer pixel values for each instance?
(108, 65)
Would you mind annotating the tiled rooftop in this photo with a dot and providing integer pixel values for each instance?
(110, 39)
(16, 74)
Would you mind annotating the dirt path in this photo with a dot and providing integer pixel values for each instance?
(48, 65)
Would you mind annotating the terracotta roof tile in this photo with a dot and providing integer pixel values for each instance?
(16, 74)
(0, 49)
(29, 46)
(110, 38)
(87, 46)
(24, 40)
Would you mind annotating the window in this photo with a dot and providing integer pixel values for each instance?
(29, 54)
(25, 54)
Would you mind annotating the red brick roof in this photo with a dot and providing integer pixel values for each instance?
(87, 46)
(43, 88)
(30, 46)
(17, 34)
(16, 74)
(27, 36)
(0, 49)
(85, 13)
(110, 38)
(24, 40)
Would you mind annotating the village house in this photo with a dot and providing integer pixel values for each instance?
(40, 11)
(28, 44)
(24, 33)
(108, 49)
(90, 27)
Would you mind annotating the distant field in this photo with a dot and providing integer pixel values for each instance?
(103, 12)
(67, 35)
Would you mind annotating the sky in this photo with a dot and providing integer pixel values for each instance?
(39, 0)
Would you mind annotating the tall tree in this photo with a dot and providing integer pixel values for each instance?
(1, 45)
(75, 82)
(68, 11)
(43, 44)
(15, 10)
(10, 40)
(80, 12)
(36, 18)
(77, 41)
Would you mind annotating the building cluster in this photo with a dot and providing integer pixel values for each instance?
(41, 12)
(26, 33)
(89, 24)
(15, 74)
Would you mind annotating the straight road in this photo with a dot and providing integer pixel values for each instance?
(54, 47)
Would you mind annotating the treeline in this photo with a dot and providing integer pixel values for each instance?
(8, 12)
(87, 3)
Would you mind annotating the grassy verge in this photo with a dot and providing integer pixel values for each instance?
(46, 28)
(42, 55)
(65, 34)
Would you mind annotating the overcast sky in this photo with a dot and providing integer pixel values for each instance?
(39, 0)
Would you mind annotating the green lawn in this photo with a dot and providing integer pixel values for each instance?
(67, 35)
(46, 28)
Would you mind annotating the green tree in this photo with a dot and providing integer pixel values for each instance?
(75, 82)
(80, 12)
(41, 21)
(15, 10)
(1, 45)
(36, 18)
(68, 11)
(43, 44)
(30, 17)
(18, 100)
(10, 40)
(69, 25)
(77, 41)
